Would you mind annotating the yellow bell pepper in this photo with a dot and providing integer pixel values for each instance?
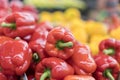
(58, 18)
(80, 35)
(77, 23)
(45, 16)
(72, 13)
(77, 28)
(115, 33)
(93, 28)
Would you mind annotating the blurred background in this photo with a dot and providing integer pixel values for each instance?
(87, 8)
(90, 21)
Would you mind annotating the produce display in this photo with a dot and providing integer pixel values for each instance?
(107, 68)
(86, 31)
(56, 45)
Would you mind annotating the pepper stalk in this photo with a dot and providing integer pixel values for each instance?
(45, 75)
(109, 51)
(107, 73)
(9, 25)
(61, 44)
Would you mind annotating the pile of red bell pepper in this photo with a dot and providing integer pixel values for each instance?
(108, 60)
(30, 50)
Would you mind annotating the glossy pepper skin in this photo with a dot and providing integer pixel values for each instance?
(60, 43)
(4, 39)
(79, 77)
(18, 24)
(107, 67)
(53, 68)
(2, 76)
(32, 10)
(16, 5)
(3, 13)
(38, 39)
(8, 77)
(3, 9)
(15, 57)
(45, 24)
(37, 44)
(110, 47)
(4, 4)
(82, 61)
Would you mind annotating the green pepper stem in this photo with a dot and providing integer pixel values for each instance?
(45, 75)
(35, 57)
(9, 25)
(109, 51)
(108, 74)
(61, 44)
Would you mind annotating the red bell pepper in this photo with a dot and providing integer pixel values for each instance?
(4, 9)
(16, 5)
(38, 39)
(53, 68)
(32, 10)
(44, 25)
(27, 38)
(31, 69)
(60, 43)
(37, 43)
(4, 4)
(110, 47)
(3, 39)
(2, 76)
(82, 60)
(4, 13)
(8, 77)
(79, 77)
(31, 77)
(15, 57)
(107, 67)
(18, 24)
